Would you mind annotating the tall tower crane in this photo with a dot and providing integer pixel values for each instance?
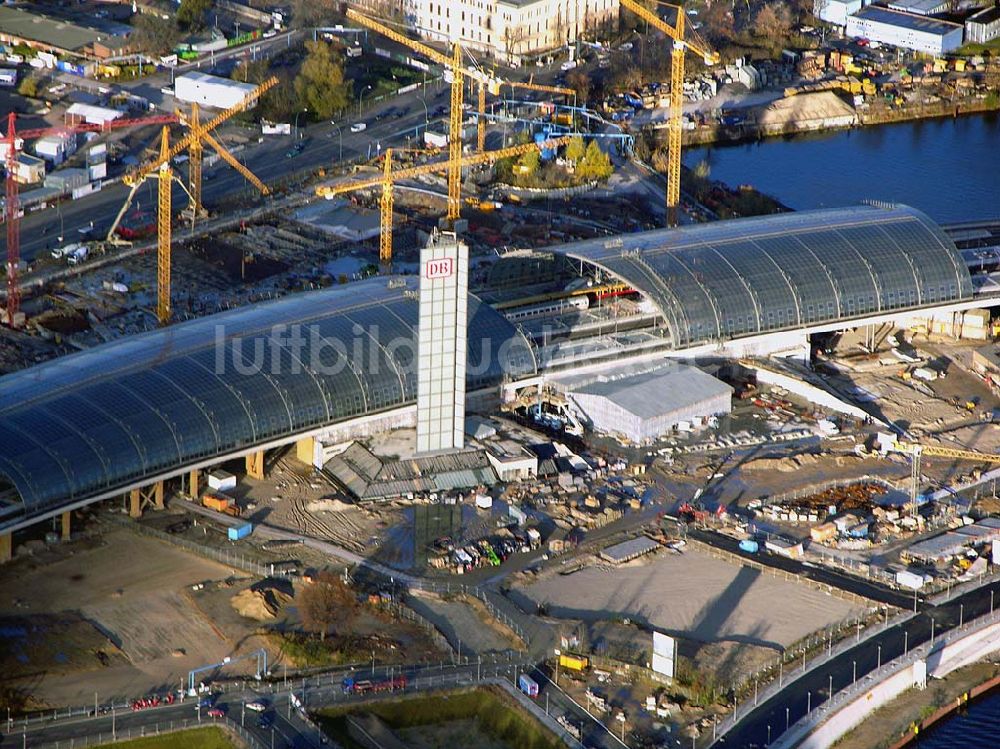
(682, 42)
(193, 142)
(12, 210)
(458, 75)
(160, 169)
(389, 177)
(916, 450)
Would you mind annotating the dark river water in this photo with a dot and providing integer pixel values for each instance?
(948, 168)
(978, 727)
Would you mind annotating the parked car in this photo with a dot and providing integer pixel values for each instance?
(216, 712)
(258, 706)
(357, 127)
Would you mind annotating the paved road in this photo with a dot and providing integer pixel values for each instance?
(769, 718)
(268, 160)
(289, 729)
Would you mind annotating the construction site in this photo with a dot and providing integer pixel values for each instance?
(356, 418)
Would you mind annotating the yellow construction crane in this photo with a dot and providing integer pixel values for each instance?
(916, 450)
(682, 41)
(192, 141)
(532, 86)
(389, 177)
(458, 75)
(160, 169)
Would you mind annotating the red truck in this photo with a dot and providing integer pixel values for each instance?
(372, 686)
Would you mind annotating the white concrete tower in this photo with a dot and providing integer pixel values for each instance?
(441, 347)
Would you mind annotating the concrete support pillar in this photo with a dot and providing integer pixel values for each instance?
(305, 450)
(193, 489)
(255, 465)
(134, 506)
(66, 526)
(6, 547)
(158, 495)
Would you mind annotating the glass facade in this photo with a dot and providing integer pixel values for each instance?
(91, 422)
(724, 280)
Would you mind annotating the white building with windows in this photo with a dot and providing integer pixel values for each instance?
(908, 30)
(509, 30)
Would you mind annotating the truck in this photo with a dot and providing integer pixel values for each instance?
(574, 662)
(221, 503)
(350, 685)
(527, 685)
(78, 255)
(749, 546)
(66, 250)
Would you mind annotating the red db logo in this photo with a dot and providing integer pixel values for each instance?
(442, 268)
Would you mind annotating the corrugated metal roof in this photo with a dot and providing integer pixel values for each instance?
(659, 392)
(634, 547)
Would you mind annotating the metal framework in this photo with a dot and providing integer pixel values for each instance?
(389, 177)
(916, 450)
(674, 124)
(12, 208)
(458, 76)
(259, 655)
(163, 216)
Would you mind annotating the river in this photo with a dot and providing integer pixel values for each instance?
(978, 727)
(949, 167)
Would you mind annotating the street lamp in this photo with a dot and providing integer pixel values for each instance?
(879, 657)
(297, 122)
(340, 141)
(361, 94)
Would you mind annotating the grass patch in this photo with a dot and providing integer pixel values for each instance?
(203, 738)
(305, 650)
(495, 714)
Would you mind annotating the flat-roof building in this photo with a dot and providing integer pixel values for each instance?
(645, 402)
(40, 31)
(983, 26)
(908, 30)
(919, 7)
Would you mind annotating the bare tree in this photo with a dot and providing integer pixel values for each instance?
(773, 23)
(328, 601)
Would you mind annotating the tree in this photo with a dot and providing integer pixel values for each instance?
(326, 602)
(320, 83)
(773, 23)
(528, 165)
(28, 87)
(191, 14)
(279, 102)
(153, 35)
(579, 81)
(575, 150)
(718, 20)
(595, 165)
(308, 13)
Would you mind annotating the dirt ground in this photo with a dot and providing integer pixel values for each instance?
(135, 593)
(478, 632)
(291, 498)
(448, 735)
(695, 596)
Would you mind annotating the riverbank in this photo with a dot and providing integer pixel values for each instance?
(892, 726)
(868, 116)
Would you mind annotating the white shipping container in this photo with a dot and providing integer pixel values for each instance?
(97, 171)
(435, 140)
(484, 501)
(923, 373)
(221, 481)
(911, 580)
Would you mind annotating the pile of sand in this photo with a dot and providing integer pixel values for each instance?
(783, 465)
(262, 605)
(329, 505)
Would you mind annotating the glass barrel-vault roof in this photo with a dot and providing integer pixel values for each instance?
(723, 280)
(87, 424)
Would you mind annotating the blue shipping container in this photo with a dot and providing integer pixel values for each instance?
(240, 531)
(750, 546)
(528, 685)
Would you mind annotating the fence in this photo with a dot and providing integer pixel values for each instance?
(225, 556)
(157, 729)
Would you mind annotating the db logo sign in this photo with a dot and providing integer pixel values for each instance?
(442, 268)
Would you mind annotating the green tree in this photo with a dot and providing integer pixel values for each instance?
(191, 14)
(527, 166)
(575, 150)
(154, 35)
(320, 83)
(595, 165)
(28, 87)
(279, 102)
